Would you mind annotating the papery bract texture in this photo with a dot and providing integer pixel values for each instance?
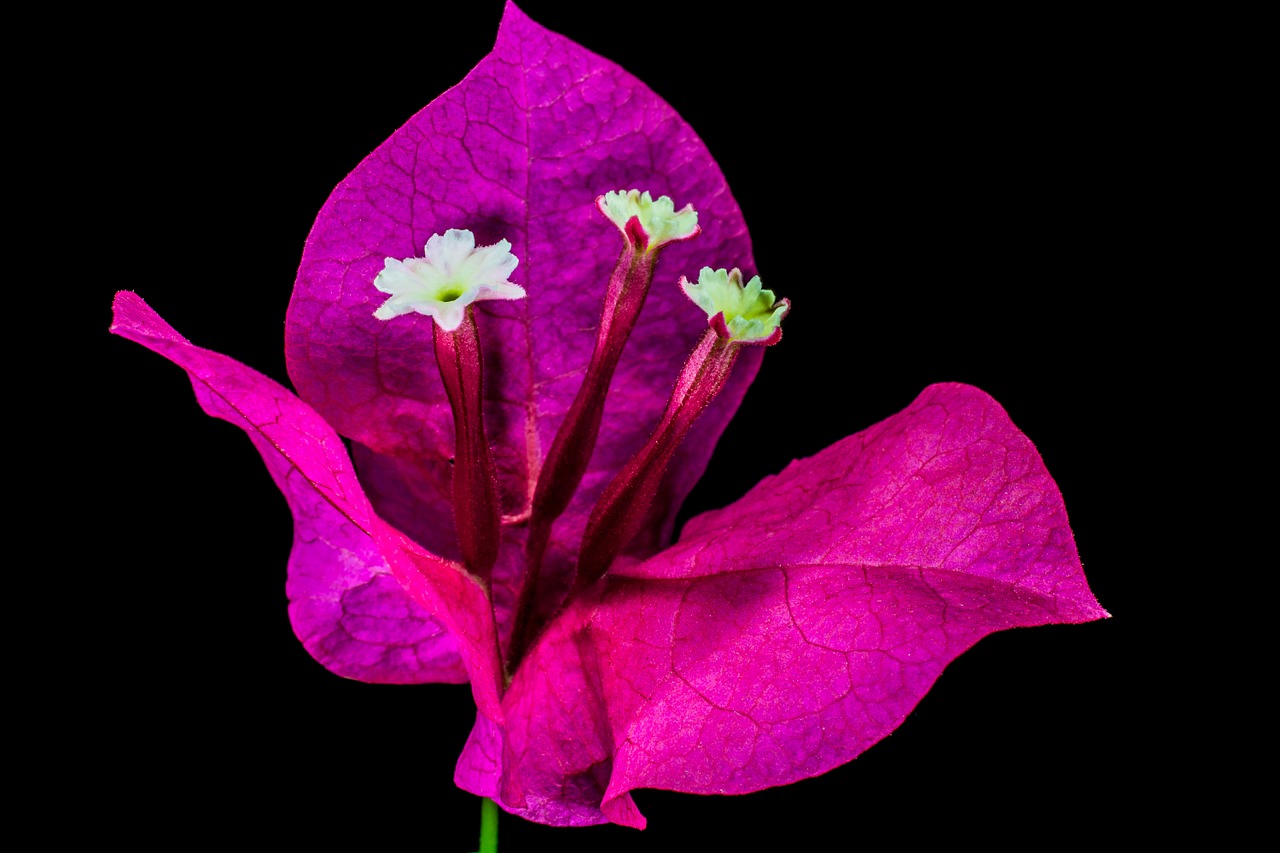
(519, 150)
(786, 633)
(347, 609)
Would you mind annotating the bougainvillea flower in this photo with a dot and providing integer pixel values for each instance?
(780, 636)
(739, 312)
(451, 274)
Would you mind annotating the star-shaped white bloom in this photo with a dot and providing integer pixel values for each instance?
(451, 274)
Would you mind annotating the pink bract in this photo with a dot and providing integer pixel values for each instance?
(778, 638)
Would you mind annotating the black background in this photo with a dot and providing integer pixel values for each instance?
(941, 198)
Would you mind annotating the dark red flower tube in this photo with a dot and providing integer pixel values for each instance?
(475, 491)
(736, 315)
(647, 225)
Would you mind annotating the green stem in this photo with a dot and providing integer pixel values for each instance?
(488, 826)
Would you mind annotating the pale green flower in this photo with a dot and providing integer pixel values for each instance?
(659, 219)
(748, 315)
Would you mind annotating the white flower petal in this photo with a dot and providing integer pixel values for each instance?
(451, 275)
(502, 290)
(449, 314)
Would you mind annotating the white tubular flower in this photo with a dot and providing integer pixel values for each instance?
(746, 315)
(451, 274)
(660, 222)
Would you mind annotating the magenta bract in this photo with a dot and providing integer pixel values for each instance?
(780, 637)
